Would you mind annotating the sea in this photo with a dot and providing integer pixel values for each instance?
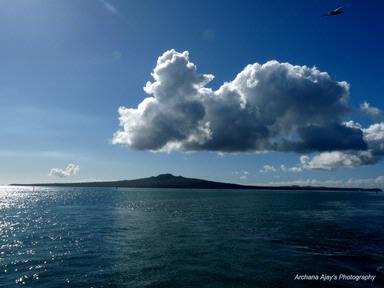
(129, 237)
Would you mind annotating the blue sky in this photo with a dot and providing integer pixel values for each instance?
(67, 66)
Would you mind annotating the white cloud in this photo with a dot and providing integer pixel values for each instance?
(108, 6)
(352, 124)
(334, 159)
(241, 174)
(267, 107)
(268, 169)
(374, 133)
(70, 170)
(282, 168)
(295, 169)
(371, 111)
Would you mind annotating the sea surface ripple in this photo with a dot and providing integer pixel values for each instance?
(101, 237)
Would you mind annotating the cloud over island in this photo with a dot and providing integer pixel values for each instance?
(70, 170)
(267, 107)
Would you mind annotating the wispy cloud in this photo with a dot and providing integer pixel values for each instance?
(370, 110)
(209, 35)
(70, 170)
(37, 154)
(282, 168)
(294, 169)
(108, 6)
(268, 169)
(242, 174)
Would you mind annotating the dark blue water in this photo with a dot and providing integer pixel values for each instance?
(188, 238)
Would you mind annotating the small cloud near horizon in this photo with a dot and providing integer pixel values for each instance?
(242, 174)
(70, 170)
(376, 182)
(282, 168)
(268, 169)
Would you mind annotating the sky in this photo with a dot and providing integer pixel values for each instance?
(252, 92)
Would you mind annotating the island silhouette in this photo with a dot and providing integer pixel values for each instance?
(171, 181)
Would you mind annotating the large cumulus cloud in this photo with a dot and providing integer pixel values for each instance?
(267, 107)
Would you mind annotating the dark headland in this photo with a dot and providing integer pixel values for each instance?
(171, 181)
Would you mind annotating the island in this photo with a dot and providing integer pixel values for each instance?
(180, 182)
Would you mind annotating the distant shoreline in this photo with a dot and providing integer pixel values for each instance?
(179, 182)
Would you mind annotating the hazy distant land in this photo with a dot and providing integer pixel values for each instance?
(171, 181)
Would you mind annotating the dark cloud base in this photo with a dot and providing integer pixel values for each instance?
(267, 107)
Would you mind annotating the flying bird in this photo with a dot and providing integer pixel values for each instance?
(335, 12)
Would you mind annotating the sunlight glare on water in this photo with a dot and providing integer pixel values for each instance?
(102, 237)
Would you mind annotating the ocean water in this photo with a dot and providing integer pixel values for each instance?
(97, 237)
